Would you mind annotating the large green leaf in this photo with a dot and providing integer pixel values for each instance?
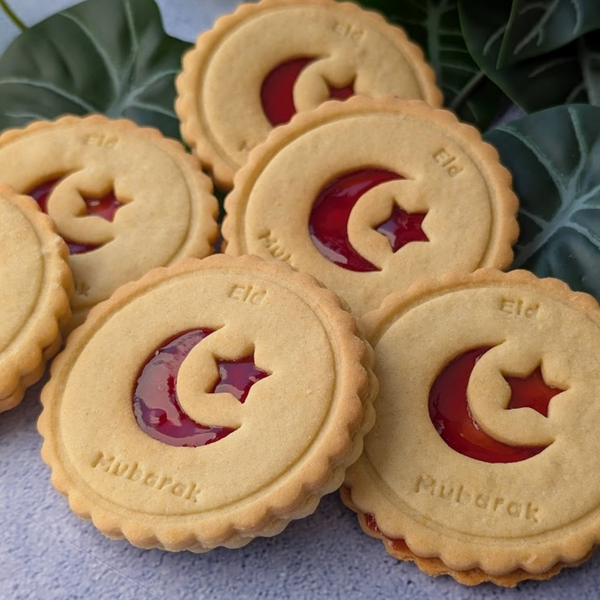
(536, 28)
(435, 26)
(554, 157)
(589, 49)
(562, 76)
(104, 56)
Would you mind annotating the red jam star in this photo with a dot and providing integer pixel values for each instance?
(531, 392)
(402, 228)
(236, 377)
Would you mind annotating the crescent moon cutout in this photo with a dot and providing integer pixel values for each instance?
(450, 414)
(156, 405)
(328, 223)
(105, 207)
(277, 91)
(155, 402)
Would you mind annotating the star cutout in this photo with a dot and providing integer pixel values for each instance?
(236, 377)
(531, 392)
(402, 228)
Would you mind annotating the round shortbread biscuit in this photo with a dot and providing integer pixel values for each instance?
(370, 195)
(267, 61)
(479, 463)
(35, 285)
(207, 404)
(124, 198)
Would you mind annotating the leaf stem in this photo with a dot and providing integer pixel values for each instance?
(465, 92)
(12, 16)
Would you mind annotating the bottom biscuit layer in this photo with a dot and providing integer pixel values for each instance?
(436, 567)
(15, 397)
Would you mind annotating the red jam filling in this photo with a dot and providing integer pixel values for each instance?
(531, 392)
(450, 414)
(402, 228)
(236, 377)
(105, 207)
(328, 223)
(277, 92)
(396, 543)
(156, 404)
(341, 93)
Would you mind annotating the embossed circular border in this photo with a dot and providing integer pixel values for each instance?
(299, 497)
(463, 564)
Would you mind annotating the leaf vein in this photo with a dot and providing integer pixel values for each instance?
(462, 68)
(25, 115)
(581, 143)
(537, 31)
(48, 86)
(492, 39)
(147, 84)
(589, 195)
(531, 216)
(557, 178)
(571, 200)
(456, 49)
(550, 65)
(131, 25)
(154, 108)
(586, 233)
(577, 11)
(467, 90)
(580, 87)
(101, 51)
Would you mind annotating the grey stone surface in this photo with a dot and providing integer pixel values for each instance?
(47, 553)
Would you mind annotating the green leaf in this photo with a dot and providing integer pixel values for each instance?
(435, 26)
(100, 56)
(554, 157)
(535, 83)
(536, 28)
(589, 51)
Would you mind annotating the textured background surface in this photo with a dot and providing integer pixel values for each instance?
(47, 553)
